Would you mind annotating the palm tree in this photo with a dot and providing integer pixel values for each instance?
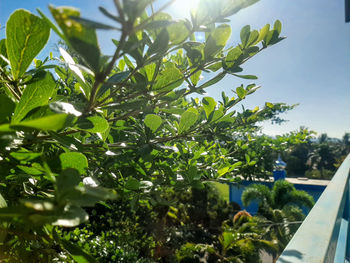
(346, 143)
(281, 207)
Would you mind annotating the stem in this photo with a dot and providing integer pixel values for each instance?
(100, 78)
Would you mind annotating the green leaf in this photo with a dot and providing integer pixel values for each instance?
(217, 40)
(188, 118)
(254, 36)
(213, 81)
(223, 171)
(3, 52)
(72, 66)
(82, 39)
(115, 79)
(153, 121)
(263, 32)
(269, 104)
(160, 45)
(30, 170)
(169, 79)
(233, 56)
(246, 76)
(37, 93)
(215, 67)
(195, 77)
(26, 36)
(74, 160)
(235, 165)
(241, 92)
(6, 108)
(245, 34)
(25, 155)
(278, 26)
(221, 34)
(178, 32)
(77, 253)
(209, 105)
(132, 184)
(215, 115)
(2, 202)
(49, 123)
(69, 142)
(93, 124)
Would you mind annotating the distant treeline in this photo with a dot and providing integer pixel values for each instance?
(318, 158)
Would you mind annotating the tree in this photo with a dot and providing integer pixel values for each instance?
(346, 143)
(105, 131)
(257, 153)
(281, 206)
(241, 241)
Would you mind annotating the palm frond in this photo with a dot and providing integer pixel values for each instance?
(259, 193)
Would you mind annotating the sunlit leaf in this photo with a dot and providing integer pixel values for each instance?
(209, 105)
(93, 124)
(74, 160)
(37, 93)
(81, 38)
(188, 119)
(168, 79)
(49, 123)
(153, 121)
(26, 35)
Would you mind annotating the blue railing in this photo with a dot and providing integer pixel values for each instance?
(324, 235)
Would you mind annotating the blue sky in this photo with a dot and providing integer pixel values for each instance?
(311, 67)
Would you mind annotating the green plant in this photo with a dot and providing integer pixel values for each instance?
(114, 128)
(281, 207)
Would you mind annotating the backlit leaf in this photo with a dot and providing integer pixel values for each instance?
(49, 123)
(26, 35)
(169, 79)
(114, 79)
(209, 105)
(74, 160)
(213, 81)
(188, 118)
(245, 34)
(37, 93)
(153, 121)
(93, 124)
(81, 38)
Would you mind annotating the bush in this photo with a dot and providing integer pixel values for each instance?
(86, 135)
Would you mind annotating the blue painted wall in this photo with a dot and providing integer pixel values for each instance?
(236, 190)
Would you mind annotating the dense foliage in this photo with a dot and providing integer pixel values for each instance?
(281, 207)
(122, 140)
(318, 158)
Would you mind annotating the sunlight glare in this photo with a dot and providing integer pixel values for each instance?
(182, 8)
